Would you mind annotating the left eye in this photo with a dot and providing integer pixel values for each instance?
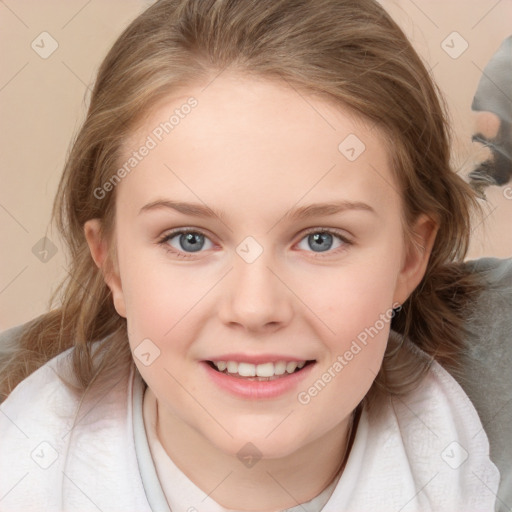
(322, 241)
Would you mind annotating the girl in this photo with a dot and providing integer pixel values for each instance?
(262, 221)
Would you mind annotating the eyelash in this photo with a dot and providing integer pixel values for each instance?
(169, 236)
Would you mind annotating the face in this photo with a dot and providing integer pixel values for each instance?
(264, 227)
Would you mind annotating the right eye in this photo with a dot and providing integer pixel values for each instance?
(185, 242)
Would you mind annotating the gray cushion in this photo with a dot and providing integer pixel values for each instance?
(487, 371)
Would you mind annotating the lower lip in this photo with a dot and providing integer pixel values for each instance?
(257, 390)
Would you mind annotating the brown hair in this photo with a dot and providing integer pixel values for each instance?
(349, 52)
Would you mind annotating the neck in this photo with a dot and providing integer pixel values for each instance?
(267, 485)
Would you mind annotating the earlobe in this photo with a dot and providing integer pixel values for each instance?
(416, 258)
(99, 251)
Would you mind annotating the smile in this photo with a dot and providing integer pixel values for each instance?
(262, 381)
(260, 372)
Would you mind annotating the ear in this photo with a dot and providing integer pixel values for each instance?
(99, 252)
(415, 261)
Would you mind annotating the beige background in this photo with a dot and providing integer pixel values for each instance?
(42, 103)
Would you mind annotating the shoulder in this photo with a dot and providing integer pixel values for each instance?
(444, 436)
(42, 391)
(33, 422)
(422, 451)
(68, 450)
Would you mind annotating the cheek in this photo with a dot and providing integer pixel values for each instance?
(361, 323)
(357, 308)
(356, 296)
(157, 296)
(162, 306)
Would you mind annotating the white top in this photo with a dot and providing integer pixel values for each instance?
(427, 452)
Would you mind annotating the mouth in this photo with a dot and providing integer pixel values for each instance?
(259, 372)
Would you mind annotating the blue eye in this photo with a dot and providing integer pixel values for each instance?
(183, 243)
(186, 241)
(322, 241)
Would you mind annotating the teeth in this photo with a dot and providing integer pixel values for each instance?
(279, 368)
(232, 367)
(259, 370)
(291, 367)
(263, 370)
(246, 370)
(221, 365)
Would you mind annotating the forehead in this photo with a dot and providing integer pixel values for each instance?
(247, 139)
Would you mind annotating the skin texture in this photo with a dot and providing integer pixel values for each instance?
(255, 149)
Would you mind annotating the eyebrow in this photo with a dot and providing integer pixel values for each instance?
(300, 213)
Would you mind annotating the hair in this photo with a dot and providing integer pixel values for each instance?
(349, 52)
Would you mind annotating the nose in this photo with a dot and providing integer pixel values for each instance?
(254, 298)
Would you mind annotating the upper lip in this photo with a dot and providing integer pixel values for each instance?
(257, 358)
